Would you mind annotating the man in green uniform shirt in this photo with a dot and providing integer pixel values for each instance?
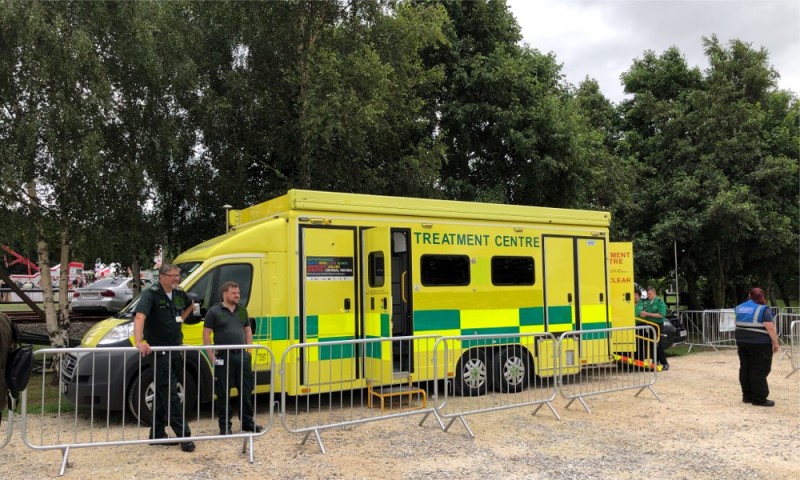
(655, 310)
(160, 313)
(229, 323)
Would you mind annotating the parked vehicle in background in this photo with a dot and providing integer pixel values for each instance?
(105, 295)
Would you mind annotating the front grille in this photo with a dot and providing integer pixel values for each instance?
(68, 366)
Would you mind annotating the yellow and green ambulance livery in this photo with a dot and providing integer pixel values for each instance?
(317, 267)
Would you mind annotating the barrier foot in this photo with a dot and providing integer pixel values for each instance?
(436, 416)
(64, 463)
(791, 373)
(550, 406)
(649, 387)
(463, 422)
(580, 399)
(248, 442)
(319, 439)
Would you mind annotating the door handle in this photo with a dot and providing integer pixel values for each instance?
(569, 298)
(385, 303)
(347, 304)
(601, 298)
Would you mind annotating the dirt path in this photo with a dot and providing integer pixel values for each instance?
(701, 430)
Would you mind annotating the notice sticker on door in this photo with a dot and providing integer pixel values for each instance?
(329, 268)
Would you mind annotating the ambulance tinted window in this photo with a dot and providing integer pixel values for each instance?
(376, 269)
(441, 270)
(512, 271)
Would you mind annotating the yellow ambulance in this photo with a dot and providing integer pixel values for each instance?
(320, 267)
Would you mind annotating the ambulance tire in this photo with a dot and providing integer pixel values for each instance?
(146, 397)
(472, 376)
(512, 369)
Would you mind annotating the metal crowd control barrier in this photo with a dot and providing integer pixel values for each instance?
(350, 382)
(783, 327)
(493, 372)
(794, 342)
(88, 372)
(605, 370)
(9, 428)
(710, 328)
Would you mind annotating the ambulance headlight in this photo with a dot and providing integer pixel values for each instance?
(117, 334)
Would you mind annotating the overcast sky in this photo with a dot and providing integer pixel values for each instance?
(601, 38)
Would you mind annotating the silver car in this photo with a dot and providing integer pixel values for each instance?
(107, 295)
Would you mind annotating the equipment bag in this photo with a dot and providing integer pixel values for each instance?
(19, 365)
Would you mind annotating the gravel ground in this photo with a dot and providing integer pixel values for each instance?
(701, 430)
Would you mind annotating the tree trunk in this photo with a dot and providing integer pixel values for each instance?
(718, 285)
(782, 292)
(63, 284)
(137, 275)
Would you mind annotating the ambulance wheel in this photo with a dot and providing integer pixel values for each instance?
(473, 373)
(146, 397)
(512, 370)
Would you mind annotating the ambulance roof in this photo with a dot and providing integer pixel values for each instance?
(316, 201)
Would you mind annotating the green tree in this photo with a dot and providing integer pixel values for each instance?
(714, 155)
(54, 92)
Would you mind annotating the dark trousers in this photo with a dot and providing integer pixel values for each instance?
(168, 407)
(234, 372)
(660, 355)
(755, 363)
(644, 347)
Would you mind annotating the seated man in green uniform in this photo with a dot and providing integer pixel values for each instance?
(160, 313)
(655, 310)
(229, 323)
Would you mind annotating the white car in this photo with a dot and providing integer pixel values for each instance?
(105, 295)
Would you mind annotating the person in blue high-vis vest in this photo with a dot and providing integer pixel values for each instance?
(756, 340)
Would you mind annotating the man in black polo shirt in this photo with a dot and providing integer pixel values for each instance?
(229, 323)
(160, 312)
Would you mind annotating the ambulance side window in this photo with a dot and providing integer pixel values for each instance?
(242, 274)
(202, 290)
(209, 287)
(444, 270)
(508, 271)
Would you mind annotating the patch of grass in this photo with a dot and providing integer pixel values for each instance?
(49, 403)
(19, 307)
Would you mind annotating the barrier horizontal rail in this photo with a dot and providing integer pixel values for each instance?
(342, 383)
(490, 372)
(627, 363)
(60, 425)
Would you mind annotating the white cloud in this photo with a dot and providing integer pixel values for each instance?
(601, 38)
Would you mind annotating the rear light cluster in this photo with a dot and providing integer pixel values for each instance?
(104, 293)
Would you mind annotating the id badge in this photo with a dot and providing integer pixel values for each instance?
(179, 319)
(219, 362)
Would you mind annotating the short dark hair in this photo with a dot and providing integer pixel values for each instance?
(228, 285)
